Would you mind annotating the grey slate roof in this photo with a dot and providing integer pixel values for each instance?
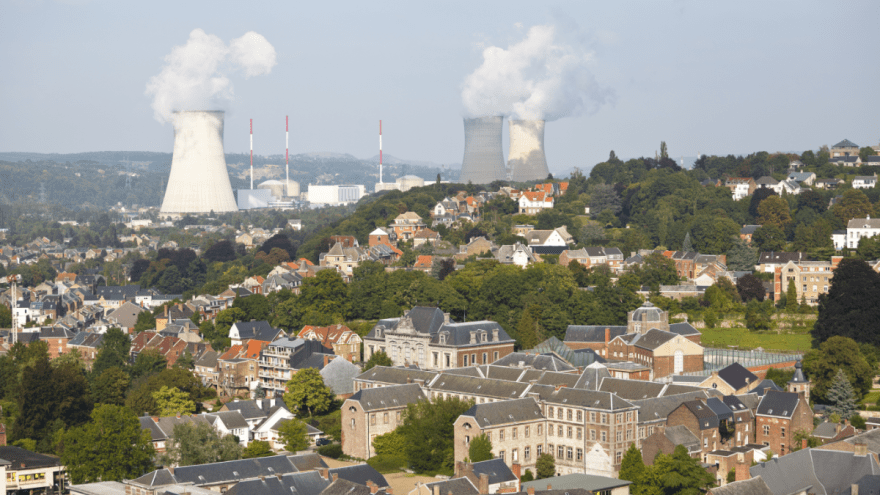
(391, 375)
(680, 435)
(592, 333)
(496, 469)
(822, 472)
(303, 483)
(504, 412)
(870, 438)
(737, 376)
(232, 419)
(537, 361)
(339, 375)
(360, 474)
(576, 481)
(846, 143)
(579, 397)
(825, 430)
(372, 399)
(469, 385)
(705, 415)
(257, 330)
(659, 408)
(753, 486)
(592, 377)
(719, 408)
(684, 329)
(345, 487)
(749, 400)
(19, 456)
(779, 404)
(652, 339)
(455, 486)
(156, 433)
(735, 404)
(307, 462)
(632, 389)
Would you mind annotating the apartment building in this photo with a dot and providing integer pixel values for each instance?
(372, 412)
(811, 279)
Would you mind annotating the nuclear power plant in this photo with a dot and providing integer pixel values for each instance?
(198, 182)
(526, 160)
(483, 155)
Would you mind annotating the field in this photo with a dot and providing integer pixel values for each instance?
(742, 338)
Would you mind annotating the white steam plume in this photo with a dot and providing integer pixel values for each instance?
(194, 76)
(536, 78)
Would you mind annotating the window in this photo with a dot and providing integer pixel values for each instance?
(592, 434)
(513, 436)
(527, 431)
(560, 431)
(352, 424)
(526, 453)
(447, 359)
(500, 435)
(580, 416)
(495, 356)
(559, 413)
(620, 417)
(539, 450)
(678, 362)
(514, 455)
(604, 436)
(501, 455)
(569, 453)
(467, 439)
(580, 454)
(560, 452)
(592, 416)
(550, 430)
(385, 418)
(629, 434)
(569, 414)
(465, 359)
(766, 430)
(705, 443)
(540, 430)
(629, 416)
(549, 412)
(485, 358)
(783, 432)
(604, 418)
(569, 431)
(619, 436)
(474, 359)
(398, 416)
(580, 433)
(618, 457)
(372, 419)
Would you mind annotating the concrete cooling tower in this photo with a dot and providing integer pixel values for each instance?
(483, 157)
(198, 182)
(526, 160)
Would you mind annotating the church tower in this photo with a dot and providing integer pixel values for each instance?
(799, 382)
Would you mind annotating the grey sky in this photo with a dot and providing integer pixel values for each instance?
(710, 77)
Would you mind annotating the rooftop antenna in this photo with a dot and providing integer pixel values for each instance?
(380, 152)
(252, 154)
(286, 155)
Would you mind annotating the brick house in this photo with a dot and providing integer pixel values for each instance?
(382, 236)
(811, 278)
(406, 225)
(780, 416)
(743, 421)
(665, 440)
(373, 412)
(701, 420)
(515, 428)
(733, 379)
(340, 338)
(476, 247)
(57, 339)
(589, 257)
(429, 338)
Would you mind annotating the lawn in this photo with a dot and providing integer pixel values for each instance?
(873, 397)
(744, 339)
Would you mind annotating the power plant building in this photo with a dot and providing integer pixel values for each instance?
(483, 154)
(249, 199)
(335, 195)
(526, 160)
(198, 182)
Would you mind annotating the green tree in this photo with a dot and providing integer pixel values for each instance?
(145, 321)
(195, 443)
(111, 387)
(306, 390)
(110, 447)
(714, 234)
(656, 270)
(850, 308)
(257, 448)
(741, 256)
(171, 401)
(857, 421)
(294, 434)
(147, 363)
(686, 245)
(632, 467)
(853, 204)
(391, 443)
(774, 211)
(427, 427)
(255, 307)
(821, 366)
(545, 466)
(528, 476)
(791, 302)
(186, 361)
(378, 358)
(5, 317)
(112, 352)
(675, 474)
(841, 396)
(758, 315)
(141, 400)
(528, 330)
(780, 377)
(480, 449)
(750, 287)
(331, 425)
(769, 238)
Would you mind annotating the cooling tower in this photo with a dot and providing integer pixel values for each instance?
(483, 158)
(198, 182)
(526, 160)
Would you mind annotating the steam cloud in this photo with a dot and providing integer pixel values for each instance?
(194, 76)
(536, 78)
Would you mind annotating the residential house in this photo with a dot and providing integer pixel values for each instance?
(534, 202)
(340, 338)
(243, 331)
(424, 263)
(57, 339)
(732, 380)
(87, 344)
(428, 337)
(740, 187)
(372, 412)
(490, 476)
(746, 232)
(844, 148)
(768, 182)
(125, 316)
(805, 178)
(426, 236)
(29, 472)
(864, 181)
(476, 247)
(516, 254)
(589, 257)
(344, 259)
(829, 183)
(859, 228)
(283, 357)
(768, 261)
(820, 472)
(811, 279)
(406, 225)
(665, 440)
(382, 235)
(781, 416)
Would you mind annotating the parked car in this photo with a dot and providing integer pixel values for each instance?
(323, 441)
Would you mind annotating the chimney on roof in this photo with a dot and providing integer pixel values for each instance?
(436, 490)
(170, 470)
(803, 443)
(742, 471)
(549, 486)
(326, 359)
(516, 467)
(335, 477)
(324, 472)
(861, 449)
(530, 490)
(607, 335)
(484, 483)
(559, 386)
(389, 491)
(854, 489)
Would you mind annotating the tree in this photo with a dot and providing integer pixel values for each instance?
(632, 467)
(111, 447)
(850, 307)
(750, 287)
(676, 474)
(769, 238)
(757, 198)
(255, 307)
(186, 361)
(741, 256)
(113, 351)
(758, 315)
(257, 448)
(294, 434)
(306, 390)
(220, 251)
(378, 358)
(528, 330)
(545, 466)
(791, 302)
(714, 235)
(821, 366)
(171, 401)
(141, 400)
(528, 476)
(391, 443)
(428, 429)
(774, 211)
(604, 197)
(110, 387)
(5, 317)
(195, 443)
(841, 396)
(686, 245)
(148, 362)
(656, 270)
(145, 321)
(857, 421)
(853, 204)
(480, 449)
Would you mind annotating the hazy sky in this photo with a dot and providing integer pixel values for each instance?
(708, 77)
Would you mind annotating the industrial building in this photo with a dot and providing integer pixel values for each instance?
(402, 184)
(199, 182)
(526, 160)
(483, 155)
(327, 195)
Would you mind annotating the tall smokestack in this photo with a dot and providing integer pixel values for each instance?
(526, 160)
(380, 152)
(483, 157)
(198, 182)
(286, 155)
(252, 153)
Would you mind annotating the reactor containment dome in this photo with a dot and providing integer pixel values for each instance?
(526, 160)
(483, 155)
(199, 182)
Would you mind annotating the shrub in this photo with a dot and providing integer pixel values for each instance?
(387, 463)
(333, 451)
(710, 318)
(528, 476)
